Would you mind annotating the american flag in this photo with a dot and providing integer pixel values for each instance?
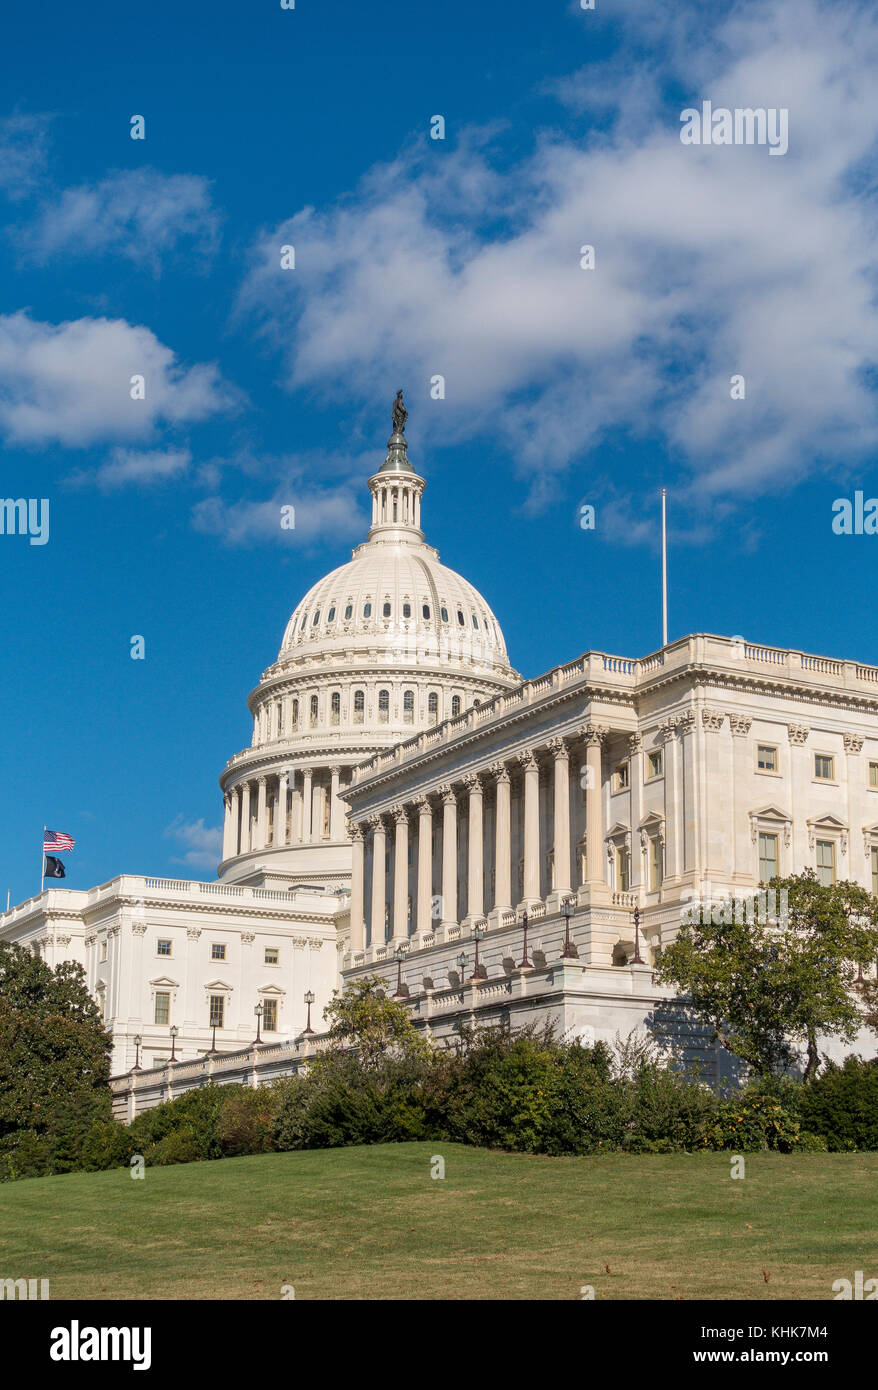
(53, 840)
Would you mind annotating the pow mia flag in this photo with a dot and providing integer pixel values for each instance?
(54, 867)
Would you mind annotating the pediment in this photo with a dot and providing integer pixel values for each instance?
(274, 990)
(164, 982)
(827, 823)
(218, 984)
(771, 813)
(618, 830)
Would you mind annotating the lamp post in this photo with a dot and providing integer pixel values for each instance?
(461, 965)
(259, 1010)
(525, 963)
(400, 957)
(309, 1000)
(138, 1040)
(212, 1047)
(569, 951)
(174, 1031)
(479, 971)
(637, 959)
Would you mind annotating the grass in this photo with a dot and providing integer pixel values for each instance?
(371, 1223)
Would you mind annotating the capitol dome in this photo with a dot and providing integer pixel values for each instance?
(379, 649)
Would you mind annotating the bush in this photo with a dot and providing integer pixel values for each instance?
(842, 1105)
(107, 1145)
(752, 1121)
(243, 1124)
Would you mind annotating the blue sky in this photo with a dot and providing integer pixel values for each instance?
(414, 257)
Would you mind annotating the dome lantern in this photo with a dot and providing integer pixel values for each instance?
(396, 488)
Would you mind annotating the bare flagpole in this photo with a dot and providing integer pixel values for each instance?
(664, 568)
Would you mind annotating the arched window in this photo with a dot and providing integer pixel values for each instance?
(335, 708)
(349, 611)
(455, 706)
(280, 717)
(386, 610)
(383, 706)
(406, 610)
(426, 611)
(359, 706)
(408, 707)
(330, 617)
(444, 613)
(460, 618)
(295, 714)
(316, 619)
(433, 706)
(304, 623)
(313, 711)
(475, 621)
(367, 610)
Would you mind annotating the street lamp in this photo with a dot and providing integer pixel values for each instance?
(479, 971)
(637, 959)
(212, 1047)
(309, 1000)
(525, 963)
(569, 951)
(400, 954)
(461, 965)
(259, 1010)
(138, 1040)
(174, 1031)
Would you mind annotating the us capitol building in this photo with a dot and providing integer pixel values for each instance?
(409, 806)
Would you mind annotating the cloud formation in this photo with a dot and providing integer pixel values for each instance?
(203, 843)
(23, 153)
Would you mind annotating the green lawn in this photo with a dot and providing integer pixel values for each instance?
(372, 1223)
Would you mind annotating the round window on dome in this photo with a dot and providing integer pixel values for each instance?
(349, 611)
(316, 619)
(406, 610)
(367, 610)
(461, 621)
(444, 613)
(304, 623)
(386, 610)
(426, 611)
(330, 617)
(475, 622)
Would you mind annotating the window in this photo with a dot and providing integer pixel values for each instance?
(408, 707)
(272, 955)
(386, 610)
(313, 711)
(383, 706)
(873, 775)
(269, 1015)
(875, 869)
(433, 706)
(304, 623)
(162, 1013)
(443, 613)
(335, 708)
(316, 619)
(475, 622)
(359, 706)
(163, 948)
(826, 862)
(406, 610)
(217, 951)
(766, 758)
(295, 714)
(824, 767)
(426, 613)
(367, 610)
(455, 706)
(767, 858)
(217, 1010)
(656, 864)
(623, 870)
(349, 612)
(330, 617)
(655, 764)
(280, 717)
(460, 618)
(620, 777)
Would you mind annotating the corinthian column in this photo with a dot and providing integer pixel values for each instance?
(261, 823)
(358, 877)
(245, 819)
(334, 807)
(307, 805)
(379, 884)
(594, 807)
(234, 828)
(475, 892)
(531, 885)
(400, 875)
(227, 824)
(502, 842)
(561, 847)
(280, 815)
(449, 856)
(425, 865)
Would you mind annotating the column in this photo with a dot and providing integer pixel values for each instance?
(280, 815)
(379, 886)
(503, 841)
(531, 855)
(425, 866)
(449, 856)
(475, 894)
(296, 808)
(245, 819)
(561, 839)
(307, 806)
(594, 807)
(227, 825)
(400, 875)
(635, 794)
(673, 799)
(358, 877)
(261, 822)
(335, 813)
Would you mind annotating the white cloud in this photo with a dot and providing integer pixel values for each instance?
(71, 382)
(203, 843)
(23, 152)
(136, 467)
(711, 262)
(141, 214)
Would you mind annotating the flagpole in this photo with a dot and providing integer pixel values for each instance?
(664, 569)
(43, 862)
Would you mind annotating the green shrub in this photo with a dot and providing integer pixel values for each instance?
(107, 1145)
(842, 1105)
(243, 1124)
(180, 1146)
(752, 1121)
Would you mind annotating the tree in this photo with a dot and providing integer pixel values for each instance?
(770, 988)
(54, 1063)
(362, 1019)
